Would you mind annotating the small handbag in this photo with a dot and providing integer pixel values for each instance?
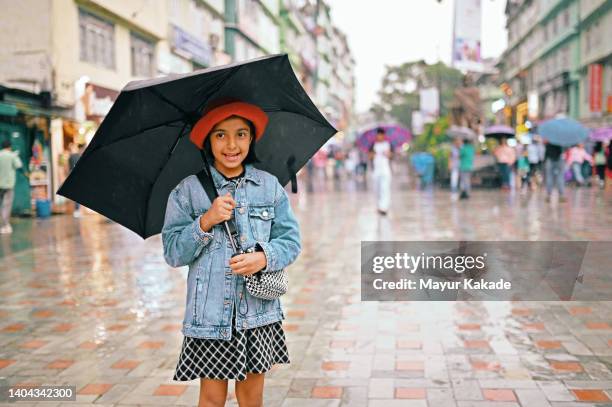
(269, 285)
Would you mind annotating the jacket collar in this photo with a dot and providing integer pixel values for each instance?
(250, 174)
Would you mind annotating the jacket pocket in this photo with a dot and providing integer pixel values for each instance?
(260, 218)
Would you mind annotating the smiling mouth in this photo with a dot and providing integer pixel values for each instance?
(231, 157)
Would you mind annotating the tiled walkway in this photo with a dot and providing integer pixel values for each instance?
(88, 303)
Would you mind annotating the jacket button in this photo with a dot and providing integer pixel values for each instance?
(265, 213)
(243, 238)
(241, 210)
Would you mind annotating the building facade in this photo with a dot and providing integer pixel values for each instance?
(558, 61)
(63, 66)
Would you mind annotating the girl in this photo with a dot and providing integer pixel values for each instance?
(230, 334)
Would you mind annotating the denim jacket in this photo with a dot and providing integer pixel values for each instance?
(263, 216)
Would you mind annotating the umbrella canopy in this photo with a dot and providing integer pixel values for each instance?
(396, 136)
(563, 132)
(602, 134)
(142, 150)
(499, 131)
(461, 132)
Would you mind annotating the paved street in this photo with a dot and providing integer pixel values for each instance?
(88, 303)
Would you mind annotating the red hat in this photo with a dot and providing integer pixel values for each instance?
(218, 113)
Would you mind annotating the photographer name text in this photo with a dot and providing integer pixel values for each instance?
(431, 284)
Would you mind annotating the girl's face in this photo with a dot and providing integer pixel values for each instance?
(229, 142)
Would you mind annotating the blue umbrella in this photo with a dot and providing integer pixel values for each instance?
(563, 132)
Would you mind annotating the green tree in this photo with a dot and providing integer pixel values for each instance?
(399, 93)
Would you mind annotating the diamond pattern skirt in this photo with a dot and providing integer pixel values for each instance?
(253, 350)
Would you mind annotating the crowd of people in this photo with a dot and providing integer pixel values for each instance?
(523, 167)
(527, 167)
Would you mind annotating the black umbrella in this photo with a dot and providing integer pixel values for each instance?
(141, 150)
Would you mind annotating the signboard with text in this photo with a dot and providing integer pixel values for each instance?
(594, 73)
(466, 36)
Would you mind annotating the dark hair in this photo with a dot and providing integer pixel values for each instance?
(6, 144)
(467, 141)
(251, 156)
(598, 147)
(380, 130)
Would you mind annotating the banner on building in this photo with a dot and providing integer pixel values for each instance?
(595, 71)
(466, 36)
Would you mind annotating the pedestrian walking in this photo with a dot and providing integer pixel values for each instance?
(466, 165)
(362, 167)
(523, 169)
(453, 165)
(351, 162)
(9, 163)
(381, 154)
(229, 333)
(75, 154)
(599, 160)
(554, 171)
(506, 156)
(534, 158)
(576, 157)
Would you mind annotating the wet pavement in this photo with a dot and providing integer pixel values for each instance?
(85, 302)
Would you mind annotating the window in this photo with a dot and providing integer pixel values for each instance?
(565, 58)
(551, 34)
(96, 40)
(142, 52)
(566, 18)
(587, 37)
(597, 35)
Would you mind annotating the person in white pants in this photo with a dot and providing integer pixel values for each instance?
(453, 165)
(381, 153)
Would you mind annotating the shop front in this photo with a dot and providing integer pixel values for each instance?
(24, 120)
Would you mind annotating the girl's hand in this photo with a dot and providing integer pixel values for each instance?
(220, 211)
(248, 263)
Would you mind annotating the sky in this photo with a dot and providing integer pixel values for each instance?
(391, 32)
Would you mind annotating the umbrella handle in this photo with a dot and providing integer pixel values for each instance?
(216, 193)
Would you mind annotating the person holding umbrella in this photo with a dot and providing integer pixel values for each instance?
(381, 153)
(138, 170)
(266, 223)
(506, 156)
(554, 171)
